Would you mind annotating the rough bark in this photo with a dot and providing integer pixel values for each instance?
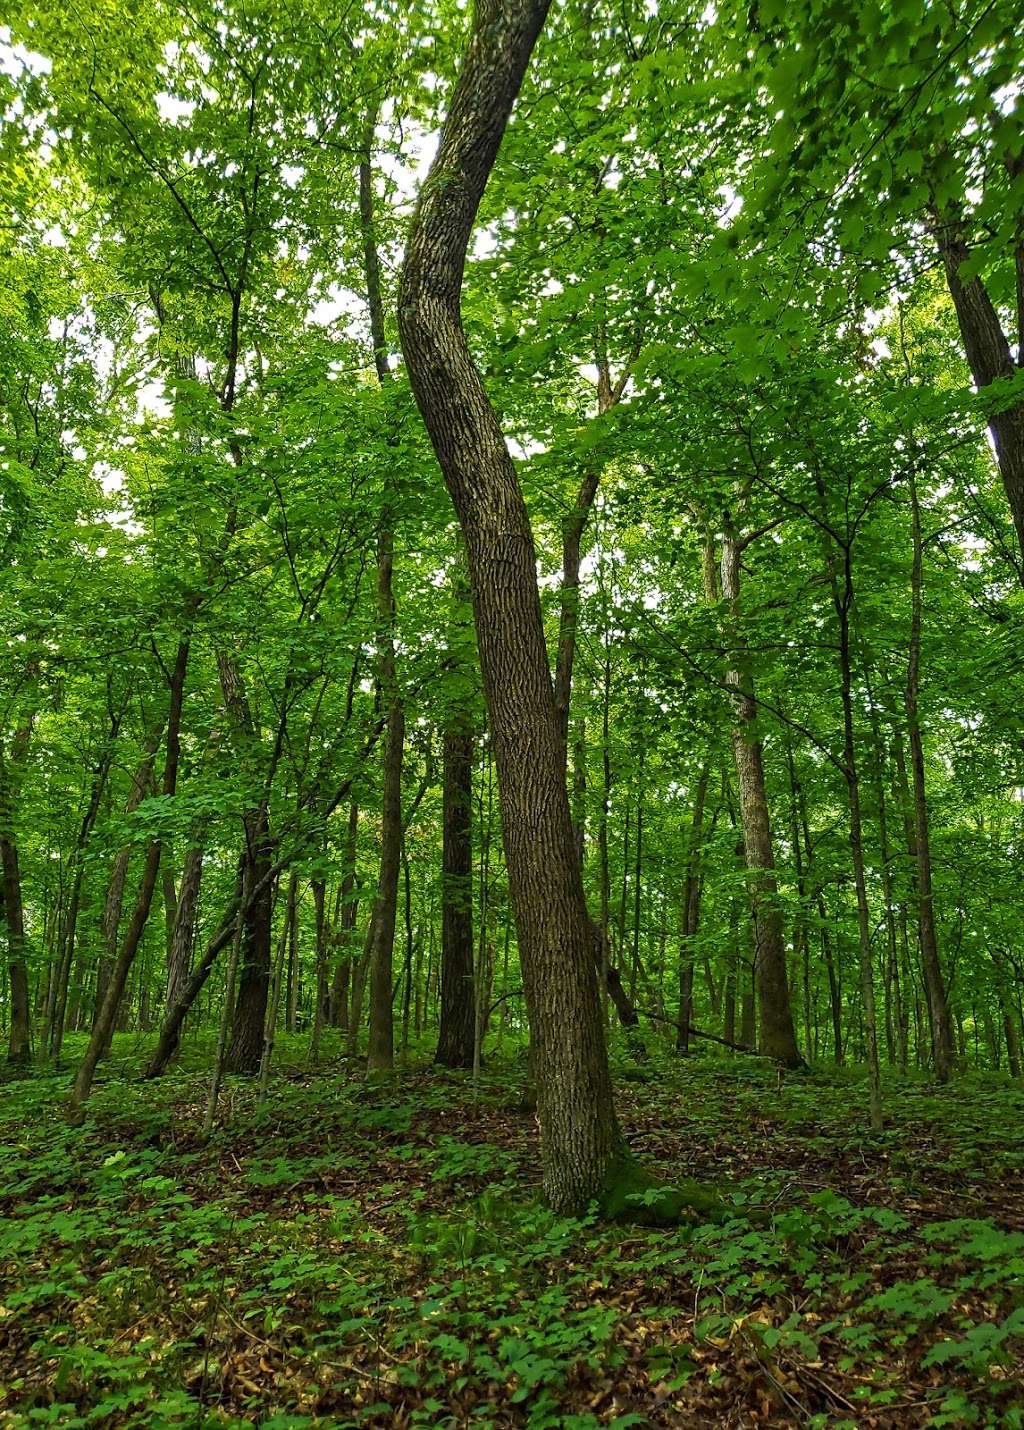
(990, 359)
(581, 1145)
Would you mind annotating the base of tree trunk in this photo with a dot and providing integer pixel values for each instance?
(632, 1194)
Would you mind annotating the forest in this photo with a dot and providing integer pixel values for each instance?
(511, 752)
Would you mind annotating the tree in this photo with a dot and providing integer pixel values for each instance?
(582, 1146)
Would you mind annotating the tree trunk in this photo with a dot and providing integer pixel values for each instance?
(935, 986)
(343, 938)
(990, 359)
(691, 913)
(581, 1145)
(246, 1043)
(867, 978)
(777, 1036)
(104, 1025)
(380, 1049)
(19, 1045)
(170, 1030)
(183, 933)
(320, 998)
(113, 903)
(380, 1055)
(455, 1037)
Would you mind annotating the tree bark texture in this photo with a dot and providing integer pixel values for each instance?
(581, 1144)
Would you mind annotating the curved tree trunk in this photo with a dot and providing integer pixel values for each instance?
(990, 359)
(581, 1145)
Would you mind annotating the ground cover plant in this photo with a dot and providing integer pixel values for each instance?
(340, 1257)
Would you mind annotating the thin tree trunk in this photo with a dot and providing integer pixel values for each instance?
(349, 913)
(253, 981)
(935, 986)
(691, 912)
(380, 1049)
(104, 1024)
(320, 996)
(455, 1037)
(776, 1032)
(183, 933)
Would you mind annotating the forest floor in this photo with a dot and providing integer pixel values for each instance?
(354, 1256)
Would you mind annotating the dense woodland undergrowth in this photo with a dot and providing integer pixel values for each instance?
(352, 1257)
(511, 759)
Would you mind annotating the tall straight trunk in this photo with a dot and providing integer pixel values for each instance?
(103, 1027)
(581, 1146)
(320, 997)
(801, 934)
(638, 855)
(19, 1045)
(380, 1053)
(691, 912)
(731, 975)
(776, 1032)
(895, 1011)
(380, 1049)
(273, 1010)
(867, 976)
(834, 987)
(359, 971)
(935, 985)
(343, 938)
(604, 875)
(410, 951)
(1007, 1016)
(291, 1013)
(841, 583)
(455, 1036)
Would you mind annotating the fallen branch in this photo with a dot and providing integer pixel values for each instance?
(700, 1033)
